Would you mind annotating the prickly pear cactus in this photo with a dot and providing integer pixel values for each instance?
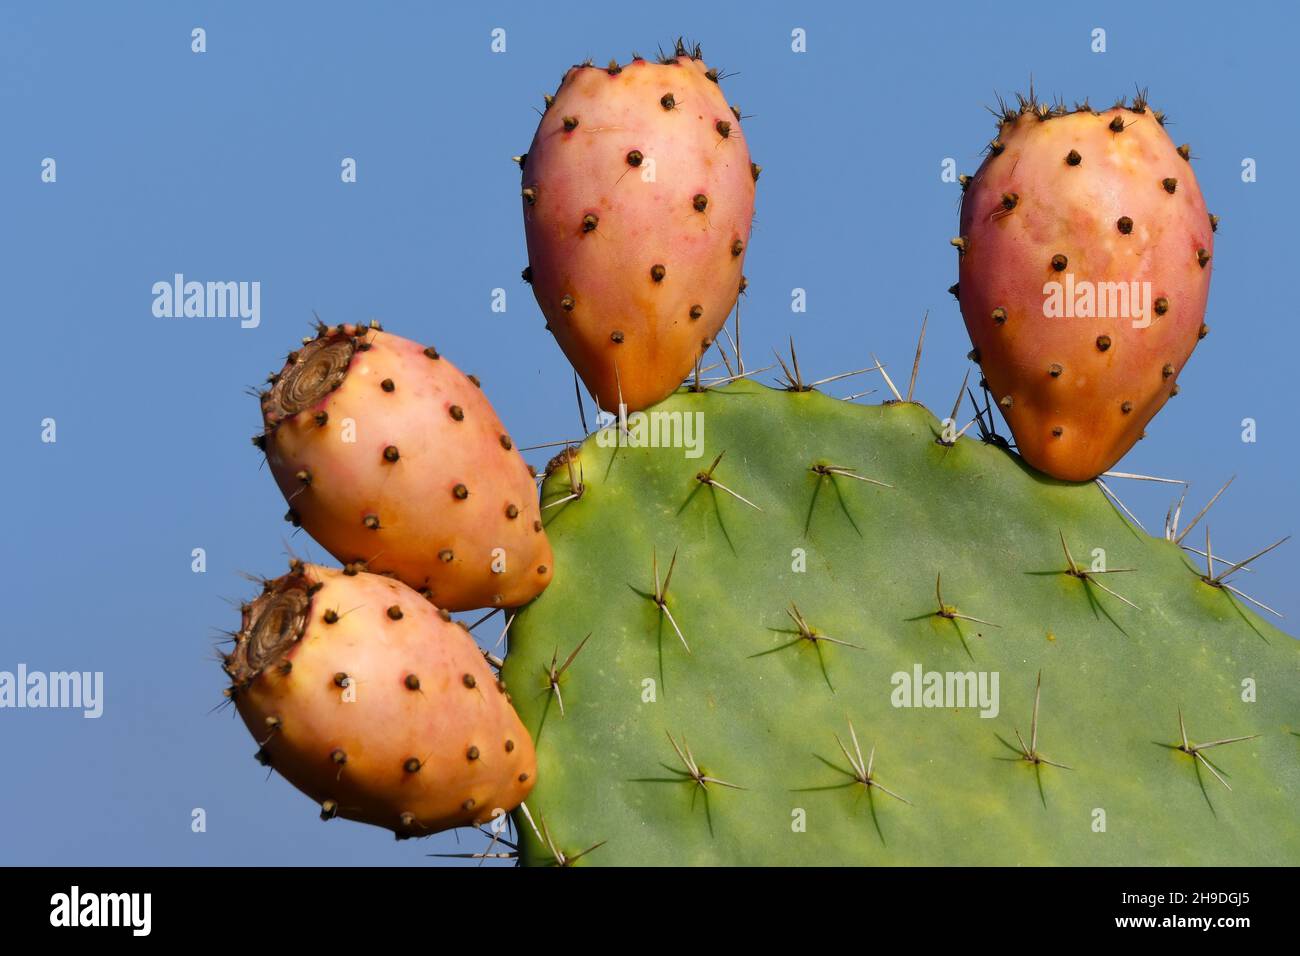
(771, 698)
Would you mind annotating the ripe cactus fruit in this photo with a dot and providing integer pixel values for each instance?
(638, 196)
(363, 696)
(1084, 257)
(391, 456)
(783, 737)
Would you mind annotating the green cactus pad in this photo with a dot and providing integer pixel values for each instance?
(761, 713)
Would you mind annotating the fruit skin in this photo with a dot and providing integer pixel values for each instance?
(1113, 678)
(1101, 198)
(598, 232)
(419, 687)
(430, 488)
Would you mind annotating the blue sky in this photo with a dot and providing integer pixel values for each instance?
(225, 166)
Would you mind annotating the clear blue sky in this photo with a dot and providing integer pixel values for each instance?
(225, 166)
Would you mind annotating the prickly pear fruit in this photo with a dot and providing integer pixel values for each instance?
(638, 196)
(390, 456)
(364, 697)
(1085, 256)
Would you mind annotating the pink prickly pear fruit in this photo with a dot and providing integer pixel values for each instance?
(365, 697)
(638, 197)
(1085, 258)
(392, 457)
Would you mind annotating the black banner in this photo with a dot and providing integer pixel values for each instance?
(304, 904)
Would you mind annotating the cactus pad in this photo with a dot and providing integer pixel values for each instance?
(775, 738)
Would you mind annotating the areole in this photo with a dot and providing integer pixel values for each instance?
(272, 623)
(318, 369)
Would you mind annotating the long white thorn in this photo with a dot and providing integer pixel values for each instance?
(916, 362)
(1201, 514)
(735, 378)
(888, 381)
(1125, 474)
(717, 484)
(529, 817)
(1172, 531)
(1247, 597)
(572, 497)
(1195, 550)
(505, 630)
(836, 378)
(673, 621)
(831, 470)
(1208, 766)
(1258, 554)
(1115, 498)
(1118, 597)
